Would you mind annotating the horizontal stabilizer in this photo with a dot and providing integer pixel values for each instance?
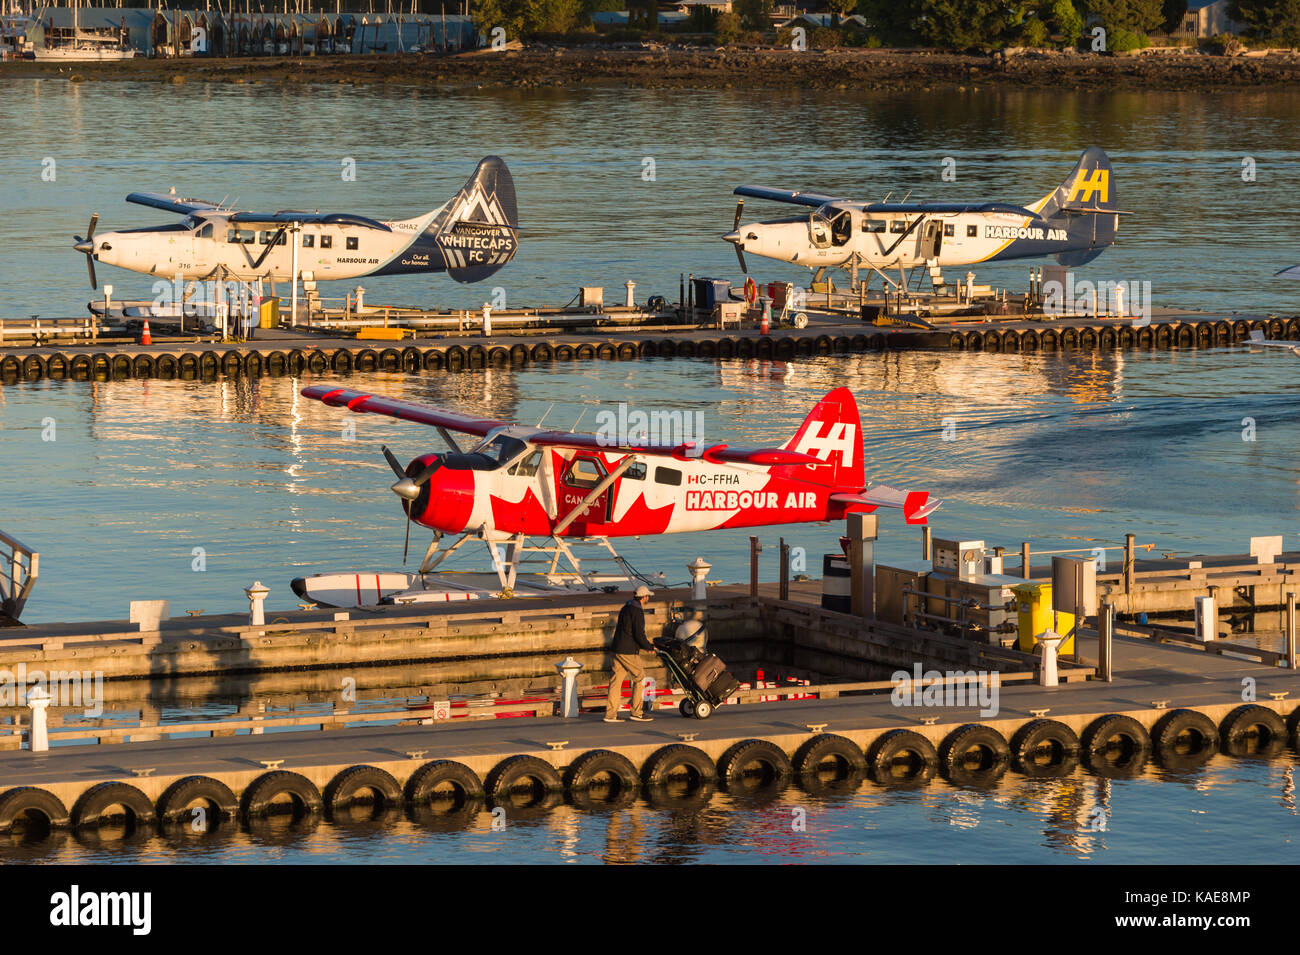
(915, 505)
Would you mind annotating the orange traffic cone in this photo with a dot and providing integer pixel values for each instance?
(144, 335)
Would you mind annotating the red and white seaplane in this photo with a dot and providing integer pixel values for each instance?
(517, 485)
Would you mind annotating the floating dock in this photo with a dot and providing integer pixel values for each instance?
(294, 353)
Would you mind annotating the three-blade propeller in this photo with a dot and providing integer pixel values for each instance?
(408, 488)
(735, 230)
(87, 245)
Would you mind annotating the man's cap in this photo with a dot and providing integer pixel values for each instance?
(643, 591)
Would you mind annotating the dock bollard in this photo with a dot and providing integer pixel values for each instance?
(487, 319)
(631, 287)
(38, 700)
(256, 598)
(699, 569)
(1050, 639)
(569, 668)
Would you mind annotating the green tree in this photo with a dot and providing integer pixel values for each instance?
(1173, 11)
(960, 24)
(754, 14)
(842, 8)
(1135, 16)
(1276, 21)
(1066, 21)
(896, 21)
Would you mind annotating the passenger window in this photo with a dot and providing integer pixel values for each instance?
(352, 243)
(947, 231)
(266, 238)
(206, 231)
(585, 472)
(232, 235)
(327, 241)
(873, 225)
(308, 240)
(635, 471)
(898, 226)
(972, 231)
(670, 476)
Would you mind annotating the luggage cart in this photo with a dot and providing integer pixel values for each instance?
(702, 676)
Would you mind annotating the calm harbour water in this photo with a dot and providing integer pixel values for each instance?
(1060, 450)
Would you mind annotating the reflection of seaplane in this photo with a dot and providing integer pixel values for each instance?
(520, 483)
(1257, 338)
(1075, 222)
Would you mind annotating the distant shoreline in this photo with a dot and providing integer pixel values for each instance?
(694, 68)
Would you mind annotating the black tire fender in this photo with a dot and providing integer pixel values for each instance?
(974, 755)
(902, 756)
(428, 782)
(829, 752)
(528, 776)
(1253, 730)
(177, 799)
(601, 778)
(1184, 738)
(343, 790)
(259, 797)
(1044, 748)
(678, 760)
(754, 764)
(1115, 746)
(91, 808)
(18, 802)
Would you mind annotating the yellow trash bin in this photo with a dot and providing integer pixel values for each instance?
(1035, 603)
(269, 315)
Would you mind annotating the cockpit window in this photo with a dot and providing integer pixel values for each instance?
(501, 449)
(585, 472)
(527, 466)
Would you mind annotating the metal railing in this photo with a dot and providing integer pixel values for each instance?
(19, 565)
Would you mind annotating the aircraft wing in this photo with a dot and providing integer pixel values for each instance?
(1257, 338)
(718, 453)
(797, 197)
(405, 410)
(169, 203)
(1289, 273)
(326, 218)
(915, 505)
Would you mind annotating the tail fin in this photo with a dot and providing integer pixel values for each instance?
(832, 434)
(478, 231)
(1086, 206)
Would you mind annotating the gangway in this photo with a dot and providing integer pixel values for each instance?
(18, 569)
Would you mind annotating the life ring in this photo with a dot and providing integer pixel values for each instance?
(751, 290)
(1184, 739)
(754, 764)
(1044, 748)
(177, 803)
(444, 785)
(1253, 730)
(261, 795)
(1116, 747)
(524, 783)
(678, 761)
(92, 809)
(602, 779)
(18, 805)
(974, 755)
(902, 757)
(368, 785)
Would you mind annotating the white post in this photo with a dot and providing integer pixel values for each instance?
(569, 668)
(631, 287)
(256, 598)
(360, 292)
(1119, 301)
(487, 319)
(293, 296)
(38, 700)
(970, 287)
(699, 571)
(1207, 620)
(108, 300)
(1050, 639)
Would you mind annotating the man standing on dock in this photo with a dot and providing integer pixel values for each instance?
(629, 643)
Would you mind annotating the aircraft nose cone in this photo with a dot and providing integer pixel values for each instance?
(407, 489)
(734, 239)
(85, 246)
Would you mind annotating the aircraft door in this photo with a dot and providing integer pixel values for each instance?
(578, 479)
(932, 240)
(819, 231)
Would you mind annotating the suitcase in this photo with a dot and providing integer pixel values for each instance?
(708, 670)
(722, 687)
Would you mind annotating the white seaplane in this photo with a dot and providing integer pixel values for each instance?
(469, 238)
(1074, 222)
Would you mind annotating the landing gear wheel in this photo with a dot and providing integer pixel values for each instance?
(686, 708)
(703, 710)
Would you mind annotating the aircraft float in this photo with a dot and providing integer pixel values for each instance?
(520, 483)
(469, 238)
(1075, 223)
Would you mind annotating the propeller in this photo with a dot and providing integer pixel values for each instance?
(408, 488)
(87, 246)
(734, 236)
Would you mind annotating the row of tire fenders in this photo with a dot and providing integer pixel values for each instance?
(445, 792)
